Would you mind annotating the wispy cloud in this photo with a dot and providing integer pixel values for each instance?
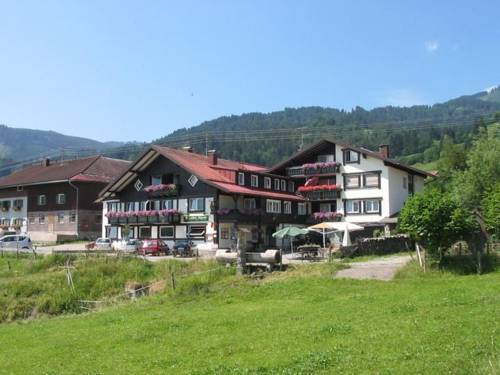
(432, 45)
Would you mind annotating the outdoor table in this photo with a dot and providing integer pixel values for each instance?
(309, 251)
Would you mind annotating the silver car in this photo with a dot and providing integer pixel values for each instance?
(103, 244)
(16, 242)
(127, 246)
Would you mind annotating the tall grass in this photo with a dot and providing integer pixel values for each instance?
(32, 287)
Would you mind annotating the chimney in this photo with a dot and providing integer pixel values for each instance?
(212, 157)
(45, 162)
(384, 151)
(188, 148)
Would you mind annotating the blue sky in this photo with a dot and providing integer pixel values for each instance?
(137, 70)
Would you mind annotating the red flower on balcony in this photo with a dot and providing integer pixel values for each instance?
(308, 189)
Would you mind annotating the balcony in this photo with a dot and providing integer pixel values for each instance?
(144, 217)
(326, 216)
(162, 190)
(314, 169)
(320, 192)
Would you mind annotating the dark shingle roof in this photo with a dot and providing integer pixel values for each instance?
(90, 169)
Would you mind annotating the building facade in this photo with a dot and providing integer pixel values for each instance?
(179, 195)
(52, 201)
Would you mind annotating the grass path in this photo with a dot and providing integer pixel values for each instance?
(302, 322)
(376, 269)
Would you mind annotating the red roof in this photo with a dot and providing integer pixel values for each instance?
(221, 175)
(90, 169)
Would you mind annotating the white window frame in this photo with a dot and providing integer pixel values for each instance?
(249, 203)
(164, 227)
(371, 202)
(42, 200)
(273, 206)
(241, 178)
(267, 183)
(167, 204)
(283, 185)
(197, 208)
(72, 218)
(61, 198)
(199, 234)
(140, 232)
(353, 201)
(60, 218)
(291, 186)
(41, 219)
(276, 184)
(357, 176)
(31, 220)
(254, 180)
(302, 209)
(287, 207)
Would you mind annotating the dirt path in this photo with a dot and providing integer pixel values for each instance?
(379, 269)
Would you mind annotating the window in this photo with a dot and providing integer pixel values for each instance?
(325, 207)
(254, 180)
(249, 203)
(61, 198)
(72, 218)
(196, 204)
(371, 180)
(267, 182)
(42, 200)
(372, 206)
(18, 204)
(129, 206)
(351, 156)
(352, 181)
(167, 204)
(352, 207)
(20, 188)
(166, 232)
(287, 207)
(276, 184)
(302, 209)
(31, 220)
(291, 186)
(241, 178)
(283, 185)
(326, 158)
(60, 218)
(5, 206)
(411, 184)
(196, 231)
(145, 232)
(41, 219)
(156, 180)
(273, 206)
(18, 222)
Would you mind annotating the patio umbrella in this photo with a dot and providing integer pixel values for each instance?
(335, 226)
(291, 232)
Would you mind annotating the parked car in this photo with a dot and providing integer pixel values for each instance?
(16, 242)
(153, 247)
(183, 248)
(127, 246)
(103, 244)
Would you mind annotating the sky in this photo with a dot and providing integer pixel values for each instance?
(137, 70)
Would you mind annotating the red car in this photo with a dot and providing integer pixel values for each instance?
(153, 247)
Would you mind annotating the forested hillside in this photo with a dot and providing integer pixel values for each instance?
(414, 133)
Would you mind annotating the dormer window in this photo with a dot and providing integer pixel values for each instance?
(254, 180)
(351, 156)
(241, 178)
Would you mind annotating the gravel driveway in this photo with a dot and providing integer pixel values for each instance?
(378, 269)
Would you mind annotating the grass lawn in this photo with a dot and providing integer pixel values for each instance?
(298, 322)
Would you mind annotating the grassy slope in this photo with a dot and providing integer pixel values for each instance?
(437, 323)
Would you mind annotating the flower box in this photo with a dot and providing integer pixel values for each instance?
(327, 216)
(162, 190)
(321, 168)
